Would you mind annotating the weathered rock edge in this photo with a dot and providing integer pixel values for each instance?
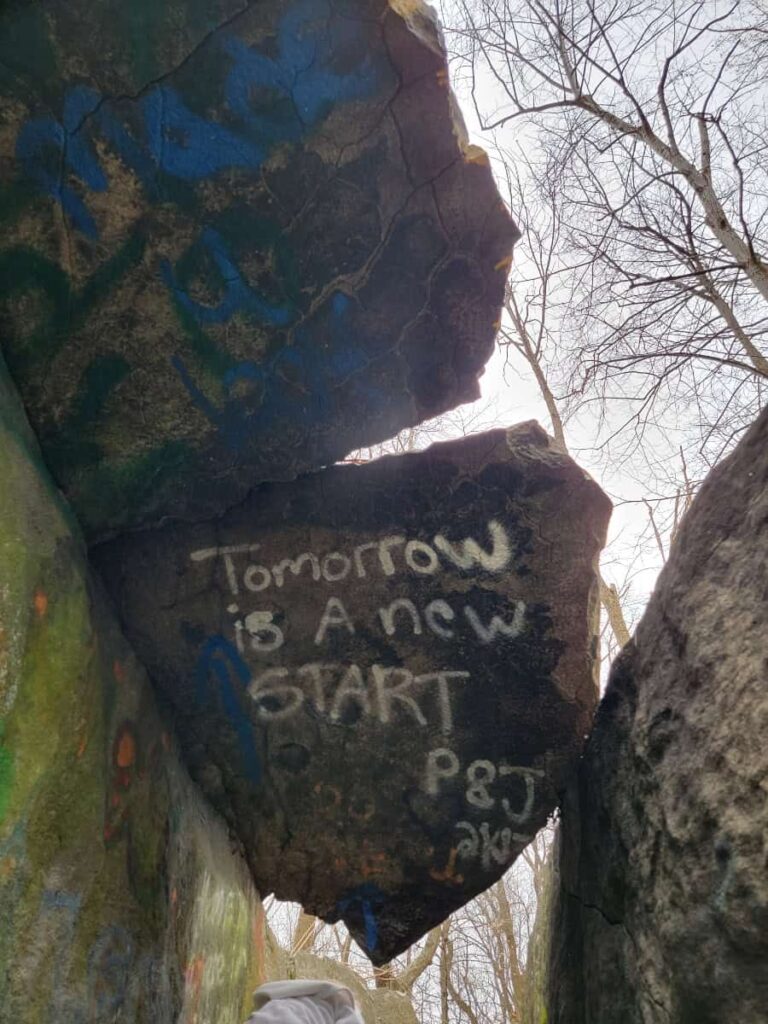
(662, 913)
(389, 812)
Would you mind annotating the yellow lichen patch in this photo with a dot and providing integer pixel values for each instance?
(407, 8)
(81, 746)
(476, 155)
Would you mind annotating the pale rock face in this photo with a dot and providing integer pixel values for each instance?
(663, 906)
(382, 675)
(238, 241)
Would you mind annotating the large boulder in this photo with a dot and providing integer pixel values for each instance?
(663, 902)
(238, 240)
(120, 896)
(382, 674)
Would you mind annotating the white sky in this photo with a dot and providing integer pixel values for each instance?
(515, 397)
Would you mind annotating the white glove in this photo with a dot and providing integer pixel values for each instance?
(304, 1002)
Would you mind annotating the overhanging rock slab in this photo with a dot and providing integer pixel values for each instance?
(381, 675)
(238, 240)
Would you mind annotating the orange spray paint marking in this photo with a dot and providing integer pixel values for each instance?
(81, 747)
(362, 810)
(448, 874)
(504, 264)
(41, 603)
(334, 793)
(372, 863)
(194, 979)
(126, 750)
(7, 867)
(124, 755)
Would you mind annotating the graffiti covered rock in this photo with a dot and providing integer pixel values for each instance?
(238, 241)
(381, 674)
(120, 895)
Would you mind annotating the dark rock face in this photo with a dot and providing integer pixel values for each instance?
(381, 675)
(663, 911)
(238, 240)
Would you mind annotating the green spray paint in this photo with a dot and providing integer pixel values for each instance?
(63, 310)
(28, 64)
(6, 775)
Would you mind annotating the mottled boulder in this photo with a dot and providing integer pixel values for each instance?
(663, 904)
(238, 240)
(120, 896)
(382, 674)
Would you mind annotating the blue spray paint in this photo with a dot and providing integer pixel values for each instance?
(368, 898)
(301, 85)
(269, 101)
(239, 296)
(46, 149)
(109, 970)
(300, 78)
(187, 146)
(56, 927)
(295, 386)
(220, 657)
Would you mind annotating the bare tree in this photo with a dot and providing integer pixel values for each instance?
(650, 129)
(479, 973)
(472, 968)
(538, 303)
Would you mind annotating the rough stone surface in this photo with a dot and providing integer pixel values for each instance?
(238, 240)
(382, 674)
(120, 896)
(663, 907)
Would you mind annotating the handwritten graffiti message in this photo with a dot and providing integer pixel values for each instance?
(386, 693)
(486, 786)
(377, 670)
(381, 560)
